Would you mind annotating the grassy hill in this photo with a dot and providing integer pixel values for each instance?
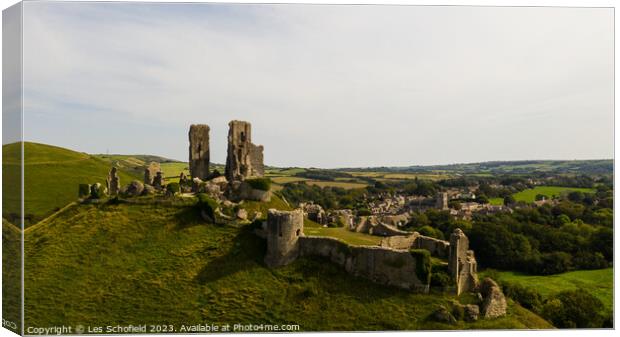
(602, 166)
(51, 178)
(599, 283)
(147, 263)
(11, 274)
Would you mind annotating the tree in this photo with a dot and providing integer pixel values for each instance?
(509, 200)
(541, 197)
(576, 196)
(574, 309)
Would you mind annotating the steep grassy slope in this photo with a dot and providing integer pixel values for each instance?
(51, 178)
(11, 275)
(142, 264)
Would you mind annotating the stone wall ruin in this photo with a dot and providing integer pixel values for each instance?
(199, 154)
(244, 159)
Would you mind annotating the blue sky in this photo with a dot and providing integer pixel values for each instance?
(323, 86)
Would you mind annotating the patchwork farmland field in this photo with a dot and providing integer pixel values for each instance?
(529, 195)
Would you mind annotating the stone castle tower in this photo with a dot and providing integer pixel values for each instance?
(442, 201)
(462, 263)
(199, 151)
(244, 159)
(283, 231)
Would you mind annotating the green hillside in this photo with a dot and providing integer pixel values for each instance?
(51, 178)
(11, 274)
(160, 263)
(598, 282)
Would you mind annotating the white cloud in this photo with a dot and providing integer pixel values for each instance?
(323, 86)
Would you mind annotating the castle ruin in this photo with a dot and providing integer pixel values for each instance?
(150, 172)
(199, 151)
(461, 263)
(392, 263)
(283, 232)
(244, 159)
(442, 201)
(113, 182)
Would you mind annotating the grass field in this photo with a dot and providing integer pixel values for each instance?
(598, 282)
(11, 274)
(353, 238)
(137, 264)
(51, 178)
(341, 184)
(287, 179)
(529, 195)
(496, 201)
(172, 170)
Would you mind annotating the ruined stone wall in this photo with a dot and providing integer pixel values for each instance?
(244, 159)
(392, 263)
(256, 160)
(379, 264)
(199, 154)
(113, 182)
(462, 263)
(150, 172)
(436, 247)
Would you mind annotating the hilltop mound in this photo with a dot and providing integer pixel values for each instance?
(51, 178)
(133, 263)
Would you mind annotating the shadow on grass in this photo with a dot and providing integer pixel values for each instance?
(247, 251)
(188, 217)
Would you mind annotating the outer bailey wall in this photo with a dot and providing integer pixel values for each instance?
(378, 264)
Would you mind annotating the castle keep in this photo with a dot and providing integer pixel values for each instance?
(199, 151)
(244, 159)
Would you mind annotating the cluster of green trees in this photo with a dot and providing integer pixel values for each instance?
(328, 197)
(325, 175)
(537, 240)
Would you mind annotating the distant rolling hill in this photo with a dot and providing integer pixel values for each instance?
(51, 178)
(602, 166)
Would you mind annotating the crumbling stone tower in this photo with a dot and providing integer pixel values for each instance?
(462, 264)
(113, 182)
(283, 231)
(442, 201)
(199, 151)
(244, 159)
(150, 172)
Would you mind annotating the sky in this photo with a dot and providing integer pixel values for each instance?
(323, 85)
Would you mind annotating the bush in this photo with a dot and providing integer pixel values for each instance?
(430, 231)
(83, 190)
(263, 184)
(422, 264)
(207, 204)
(574, 309)
(588, 260)
(440, 279)
(527, 297)
(173, 188)
(97, 191)
(363, 212)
